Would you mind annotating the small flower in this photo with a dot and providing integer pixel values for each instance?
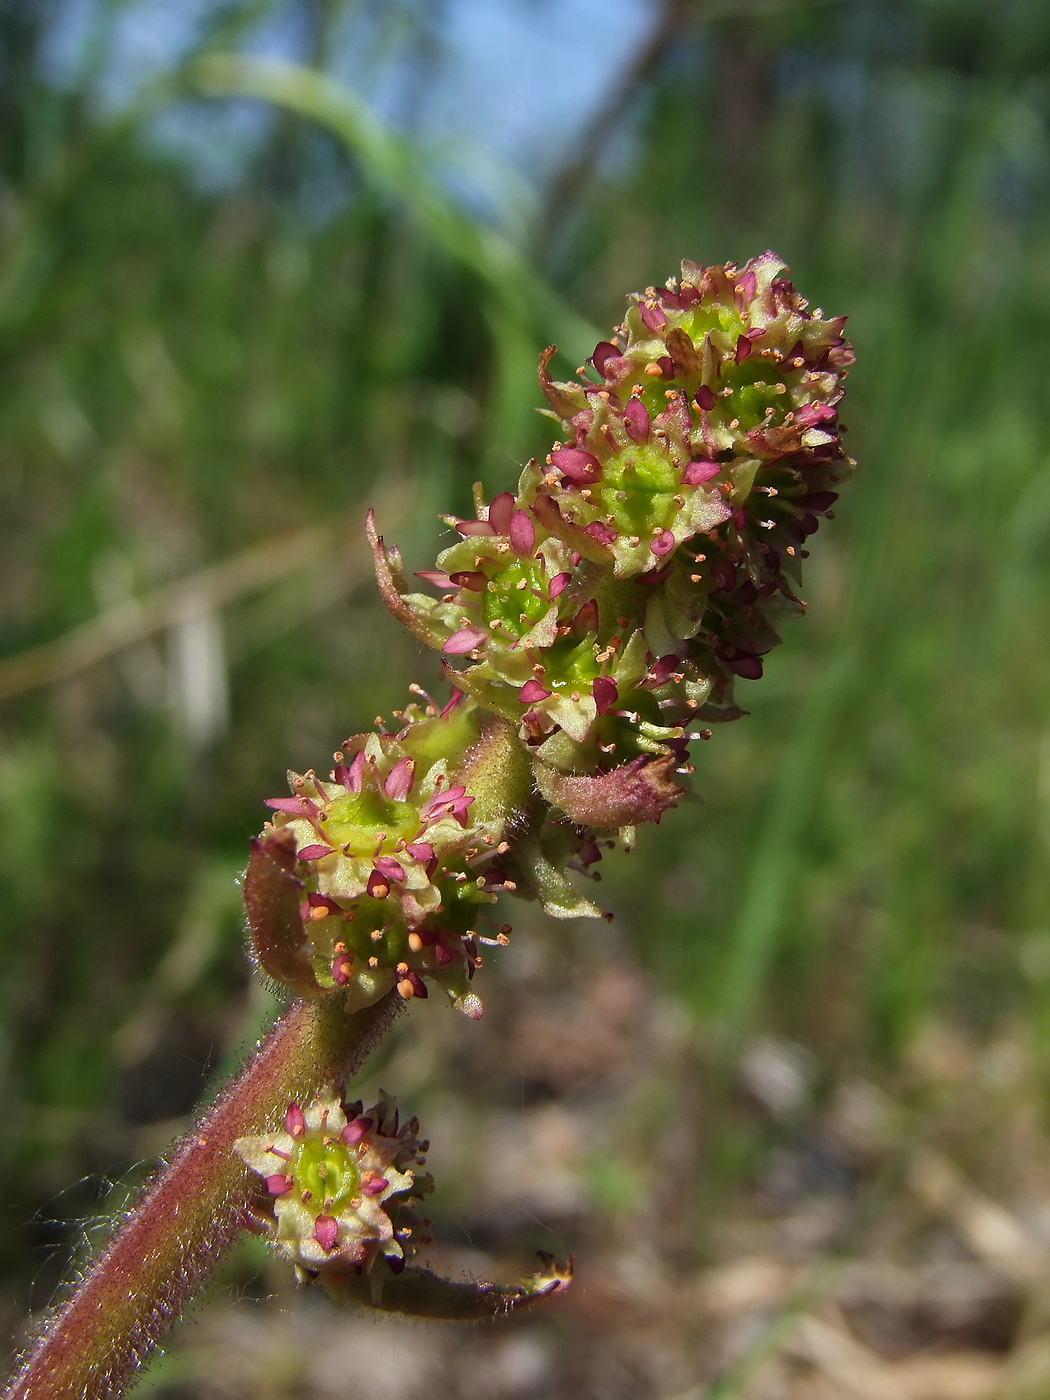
(339, 1185)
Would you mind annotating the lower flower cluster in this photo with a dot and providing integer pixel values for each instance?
(338, 1186)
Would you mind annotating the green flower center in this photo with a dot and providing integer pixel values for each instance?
(358, 819)
(328, 1170)
(571, 665)
(516, 597)
(637, 489)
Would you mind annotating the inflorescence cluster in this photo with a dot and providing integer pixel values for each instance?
(590, 625)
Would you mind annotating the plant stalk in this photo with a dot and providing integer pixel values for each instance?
(135, 1290)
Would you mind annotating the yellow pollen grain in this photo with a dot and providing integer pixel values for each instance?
(402, 969)
(373, 962)
(319, 912)
(406, 989)
(415, 942)
(653, 370)
(376, 935)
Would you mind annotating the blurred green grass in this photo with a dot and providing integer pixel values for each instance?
(188, 373)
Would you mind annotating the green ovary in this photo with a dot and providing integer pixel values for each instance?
(571, 666)
(637, 490)
(356, 821)
(516, 607)
(326, 1169)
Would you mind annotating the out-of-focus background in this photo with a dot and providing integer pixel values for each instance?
(790, 1110)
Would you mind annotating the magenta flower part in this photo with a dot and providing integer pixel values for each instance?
(465, 640)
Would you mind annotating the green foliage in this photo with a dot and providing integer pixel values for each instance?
(187, 373)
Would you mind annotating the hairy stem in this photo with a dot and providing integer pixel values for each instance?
(191, 1214)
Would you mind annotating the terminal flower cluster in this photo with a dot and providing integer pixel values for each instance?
(591, 624)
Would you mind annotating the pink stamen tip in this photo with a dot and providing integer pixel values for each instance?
(522, 533)
(463, 641)
(532, 692)
(326, 1232)
(663, 543)
(636, 420)
(399, 780)
(294, 1121)
(355, 1131)
(377, 1184)
(315, 852)
(579, 466)
(500, 512)
(813, 413)
(696, 473)
(278, 1185)
(294, 806)
(356, 771)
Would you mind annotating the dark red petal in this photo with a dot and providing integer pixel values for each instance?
(314, 852)
(604, 351)
(605, 693)
(654, 318)
(355, 1130)
(472, 579)
(636, 420)
(705, 398)
(532, 692)
(601, 532)
(696, 473)
(557, 584)
(748, 667)
(294, 1121)
(500, 511)
(326, 1232)
(474, 527)
(399, 780)
(278, 1185)
(743, 348)
(818, 500)
(466, 639)
(579, 466)
(522, 533)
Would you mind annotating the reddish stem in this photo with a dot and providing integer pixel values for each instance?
(193, 1211)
